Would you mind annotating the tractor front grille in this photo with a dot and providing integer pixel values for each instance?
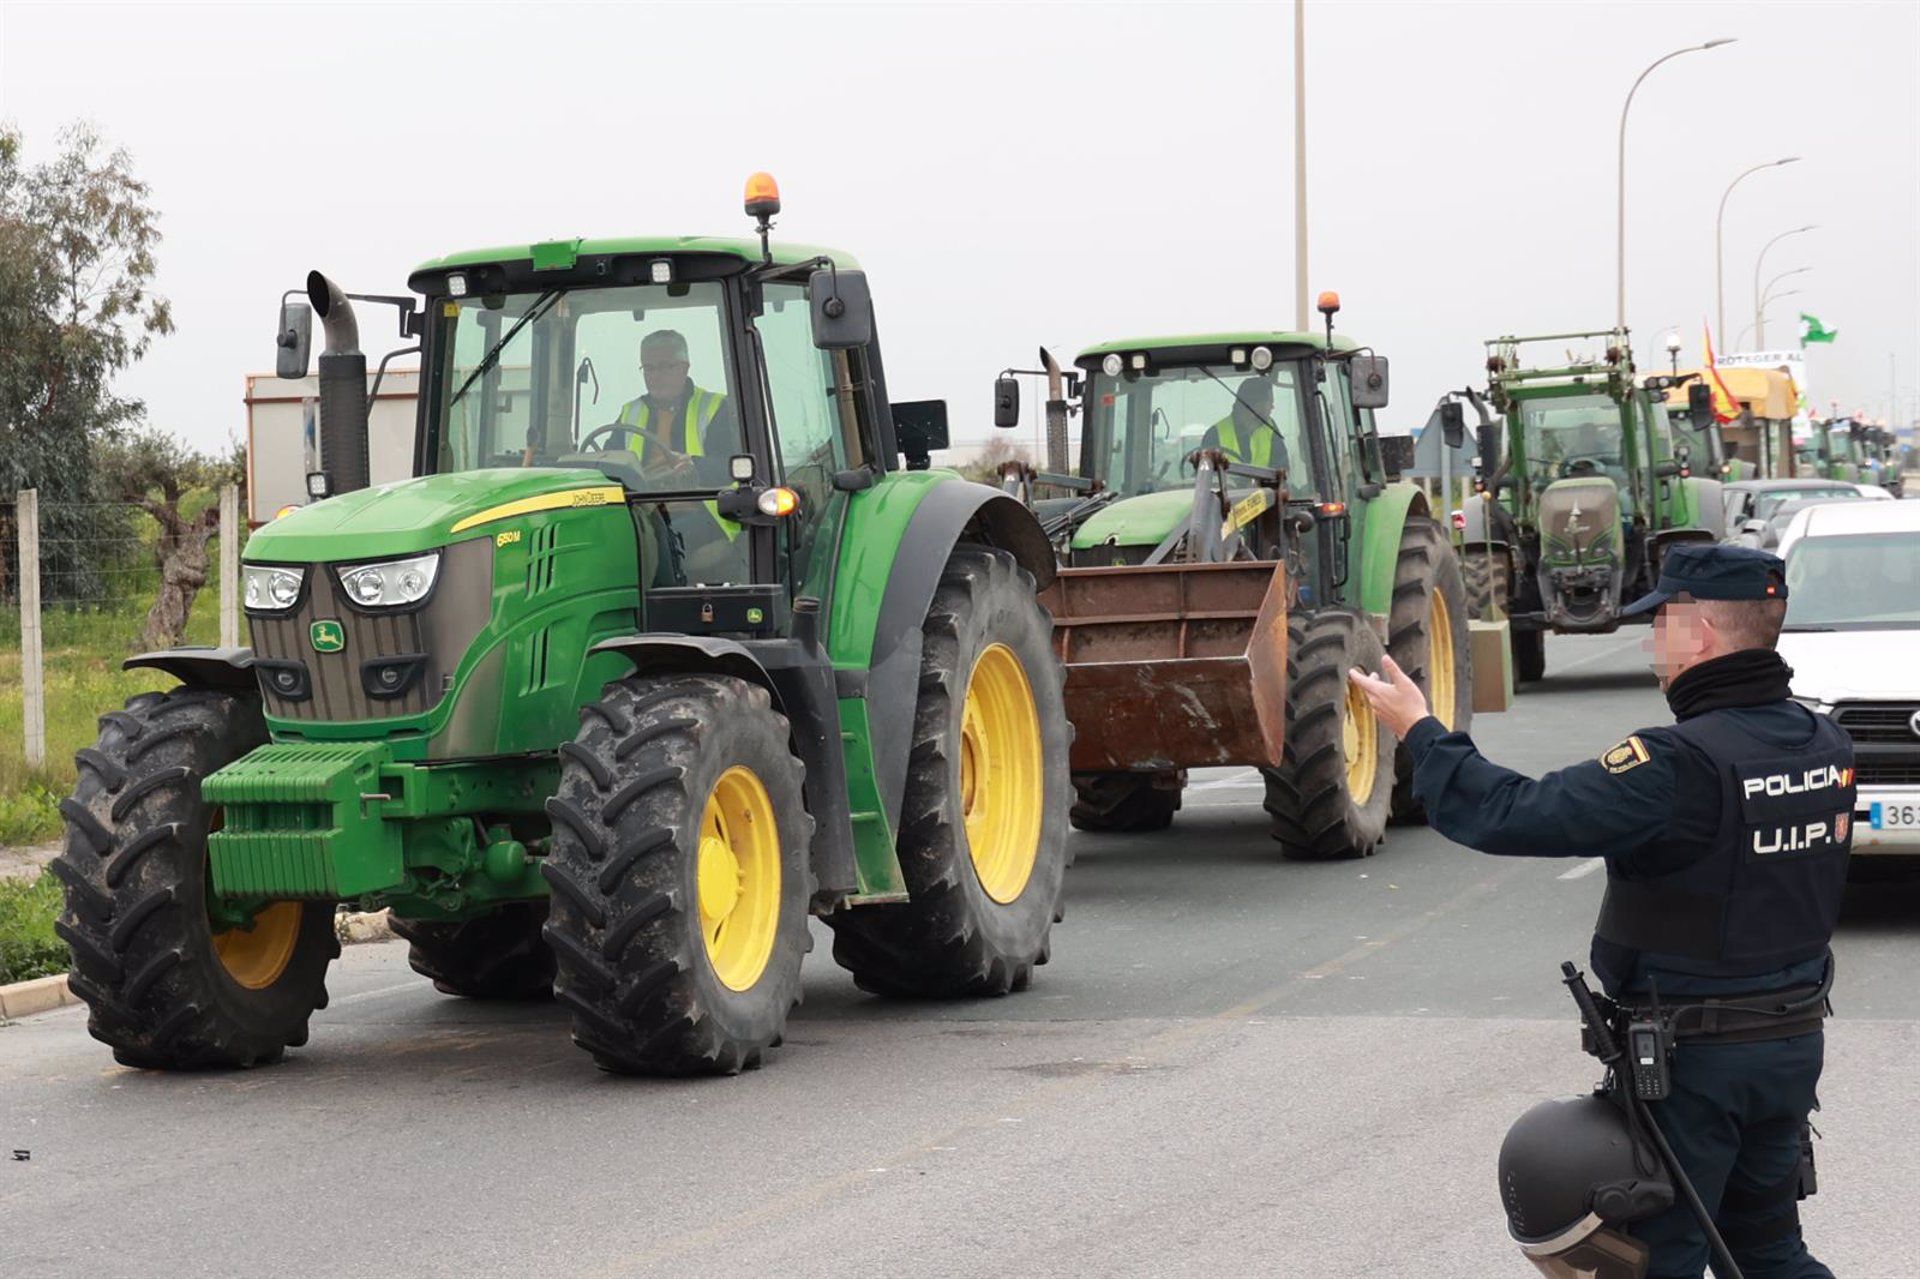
(415, 650)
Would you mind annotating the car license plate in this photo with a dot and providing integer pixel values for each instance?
(1903, 816)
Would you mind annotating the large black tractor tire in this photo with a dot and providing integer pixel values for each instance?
(1489, 584)
(1126, 801)
(163, 989)
(1427, 637)
(1328, 798)
(680, 876)
(983, 826)
(1529, 656)
(498, 955)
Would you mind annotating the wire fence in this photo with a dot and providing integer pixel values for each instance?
(100, 571)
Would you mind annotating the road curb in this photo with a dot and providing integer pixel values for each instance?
(42, 994)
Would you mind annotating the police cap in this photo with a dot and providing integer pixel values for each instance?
(1706, 572)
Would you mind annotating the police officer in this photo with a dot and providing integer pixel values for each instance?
(1726, 840)
(1247, 434)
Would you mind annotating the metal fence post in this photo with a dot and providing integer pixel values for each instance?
(230, 566)
(32, 664)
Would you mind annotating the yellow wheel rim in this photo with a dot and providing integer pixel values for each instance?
(1001, 781)
(739, 878)
(1440, 667)
(1360, 742)
(256, 956)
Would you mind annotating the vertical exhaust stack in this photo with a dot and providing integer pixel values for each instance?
(343, 390)
(1057, 460)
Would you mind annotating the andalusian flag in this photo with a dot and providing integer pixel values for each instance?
(1811, 330)
(1725, 407)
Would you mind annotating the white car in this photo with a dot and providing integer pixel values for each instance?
(1853, 639)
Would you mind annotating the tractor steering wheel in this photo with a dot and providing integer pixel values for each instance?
(590, 445)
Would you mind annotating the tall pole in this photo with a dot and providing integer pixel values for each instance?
(1759, 321)
(1301, 316)
(1621, 221)
(1765, 306)
(1719, 241)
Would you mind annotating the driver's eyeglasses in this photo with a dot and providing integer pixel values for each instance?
(662, 366)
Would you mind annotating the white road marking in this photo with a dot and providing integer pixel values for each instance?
(1238, 781)
(1584, 869)
(374, 994)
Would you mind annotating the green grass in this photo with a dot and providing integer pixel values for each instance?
(28, 946)
(82, 649)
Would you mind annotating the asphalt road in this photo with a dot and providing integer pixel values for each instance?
(1235, 1065)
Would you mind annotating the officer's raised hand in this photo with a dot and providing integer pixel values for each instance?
(1396, 700)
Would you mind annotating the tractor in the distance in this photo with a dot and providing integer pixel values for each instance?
(1575, 507)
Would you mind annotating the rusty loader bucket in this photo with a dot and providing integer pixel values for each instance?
(1173, 665)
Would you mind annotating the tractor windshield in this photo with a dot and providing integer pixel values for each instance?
(1571, 436)
(635, 382)
(1142, 427)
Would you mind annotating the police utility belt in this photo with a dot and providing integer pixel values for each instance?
(1650, 1030)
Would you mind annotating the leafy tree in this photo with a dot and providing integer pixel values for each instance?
(180, 488)
(985, 465)
(77, 238)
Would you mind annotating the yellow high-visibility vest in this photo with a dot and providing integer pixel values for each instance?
(1229, 436)
(702, 408)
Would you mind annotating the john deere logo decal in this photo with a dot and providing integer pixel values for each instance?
(327, 637)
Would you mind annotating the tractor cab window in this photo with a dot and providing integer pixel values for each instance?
(1575, 436)
(634, 382)
(1148, 424)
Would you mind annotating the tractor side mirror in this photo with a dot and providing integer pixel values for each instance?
(842, 309)
(295, 341)
(1368, 374)
(1396, 455)
(1453, 424)
(1006, 402)
(1700, 405)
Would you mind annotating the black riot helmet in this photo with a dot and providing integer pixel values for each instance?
(1571, 1172)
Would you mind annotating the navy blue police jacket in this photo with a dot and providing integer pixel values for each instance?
(1725, 835)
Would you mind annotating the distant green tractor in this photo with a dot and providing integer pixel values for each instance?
(660, 653)
(1235, 539)
(1572, 517)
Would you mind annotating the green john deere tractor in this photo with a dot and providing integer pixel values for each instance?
(661, 652)
(1235, 539)
(1572, 516)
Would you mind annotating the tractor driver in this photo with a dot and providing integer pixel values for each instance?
(681, 430)
(1247, 434)
(675, 421)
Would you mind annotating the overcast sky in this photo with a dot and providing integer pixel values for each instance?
(1029, 173)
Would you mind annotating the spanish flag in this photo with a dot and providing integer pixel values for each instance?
(1725, 407)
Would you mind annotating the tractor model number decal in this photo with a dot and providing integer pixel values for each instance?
(327, 636)
(1247, 510)
(507, 538)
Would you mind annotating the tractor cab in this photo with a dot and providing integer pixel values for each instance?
(1222, 447)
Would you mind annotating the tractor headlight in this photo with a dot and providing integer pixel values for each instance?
(393, 584)
(271, 588)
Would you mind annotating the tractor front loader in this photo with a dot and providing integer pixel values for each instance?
(660, 652)
(1237, 540)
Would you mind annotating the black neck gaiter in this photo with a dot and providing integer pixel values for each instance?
(1750, 677)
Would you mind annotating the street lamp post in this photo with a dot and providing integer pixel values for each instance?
(1759, 320)
(1752, 327)
(1621, 219)
(1719, 238)
(1301, 315)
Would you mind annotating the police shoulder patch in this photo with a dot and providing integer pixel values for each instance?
(1628, 754)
